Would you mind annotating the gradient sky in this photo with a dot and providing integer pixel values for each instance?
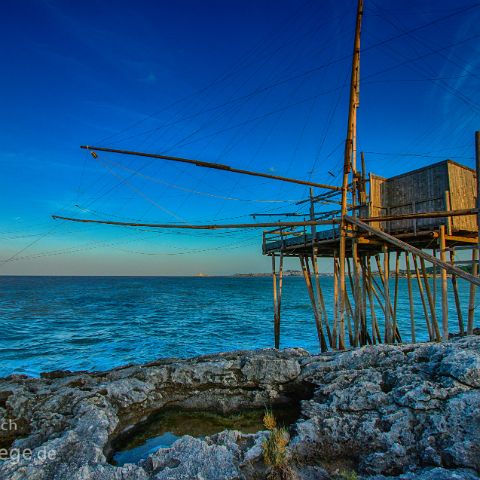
(254, 84)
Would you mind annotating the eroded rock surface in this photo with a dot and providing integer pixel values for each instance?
(409, 411)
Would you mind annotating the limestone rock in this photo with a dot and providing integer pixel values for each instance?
(403, 411)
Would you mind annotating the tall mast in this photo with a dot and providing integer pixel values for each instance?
(349, 162)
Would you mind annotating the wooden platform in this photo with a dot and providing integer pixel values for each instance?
(326, 242)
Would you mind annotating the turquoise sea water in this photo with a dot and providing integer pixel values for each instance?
(96, 323)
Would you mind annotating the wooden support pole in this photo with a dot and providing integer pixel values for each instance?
(348, 305)
(448, 207)
(356, 294)
(318, 314)
(475, 253)
(347, 165)
(352, 335)
(320, 299)
(375, 329)
(276, 326)
(428, 291)
(473, 289)
(477, 170)
(349, 317)
(431, 335)
(308, 282)
(386, 289)
(382, 279)
(363, 191)
(443, 258)
(395, 294)
(456, 296)
(335, 302)
(366, 338)
(280, 290)
(410, 297)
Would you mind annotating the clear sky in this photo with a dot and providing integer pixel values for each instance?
(255, 84)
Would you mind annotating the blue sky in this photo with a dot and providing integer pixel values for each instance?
(259, 85)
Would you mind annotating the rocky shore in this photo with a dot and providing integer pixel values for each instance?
(408, 411)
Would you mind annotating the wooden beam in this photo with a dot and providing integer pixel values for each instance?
(275, 305)
(198, 227)
(333, 221)
(477, 170)
(461, 327)
(410, 297)
(416, 251)
(435, 328)
(335, 302)
(375, 329)
(395, 295)
(347, 165)
(215, 166)
(443, 258)
(473, 288)
(458, 238)
(279, 301)
(320, 298)
(389, 337)
(436, 214)
(422, 297)
(308, 283)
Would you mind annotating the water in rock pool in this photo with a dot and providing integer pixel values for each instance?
(163, 428)
(96, 323)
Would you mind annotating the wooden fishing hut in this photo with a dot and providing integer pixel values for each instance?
(431, 208)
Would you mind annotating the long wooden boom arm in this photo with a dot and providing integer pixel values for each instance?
(216, 166)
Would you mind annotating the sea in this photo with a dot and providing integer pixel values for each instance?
(97, 323)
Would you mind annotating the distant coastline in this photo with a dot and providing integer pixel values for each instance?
(286, 273)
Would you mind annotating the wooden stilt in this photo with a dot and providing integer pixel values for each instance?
(276, 329)
(410, 298)
(435, 328)
(443, 258)
(422, 296)
(473, 289)
(349, 316)
(335, 303)
(279, 301)
(349, 162)
(395, 295)
(308, 282)
(434, 279)
(320, 299)
(382, 280)
(375, 329)
(343, 293)
(475, 252)
(477, 201)
(456, 296)
(364, 330)
(357, 295)
(386, 289)
(353, 335)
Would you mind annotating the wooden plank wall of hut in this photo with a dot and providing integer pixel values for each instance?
(421, 190)
(376, 205)
(462, 195)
